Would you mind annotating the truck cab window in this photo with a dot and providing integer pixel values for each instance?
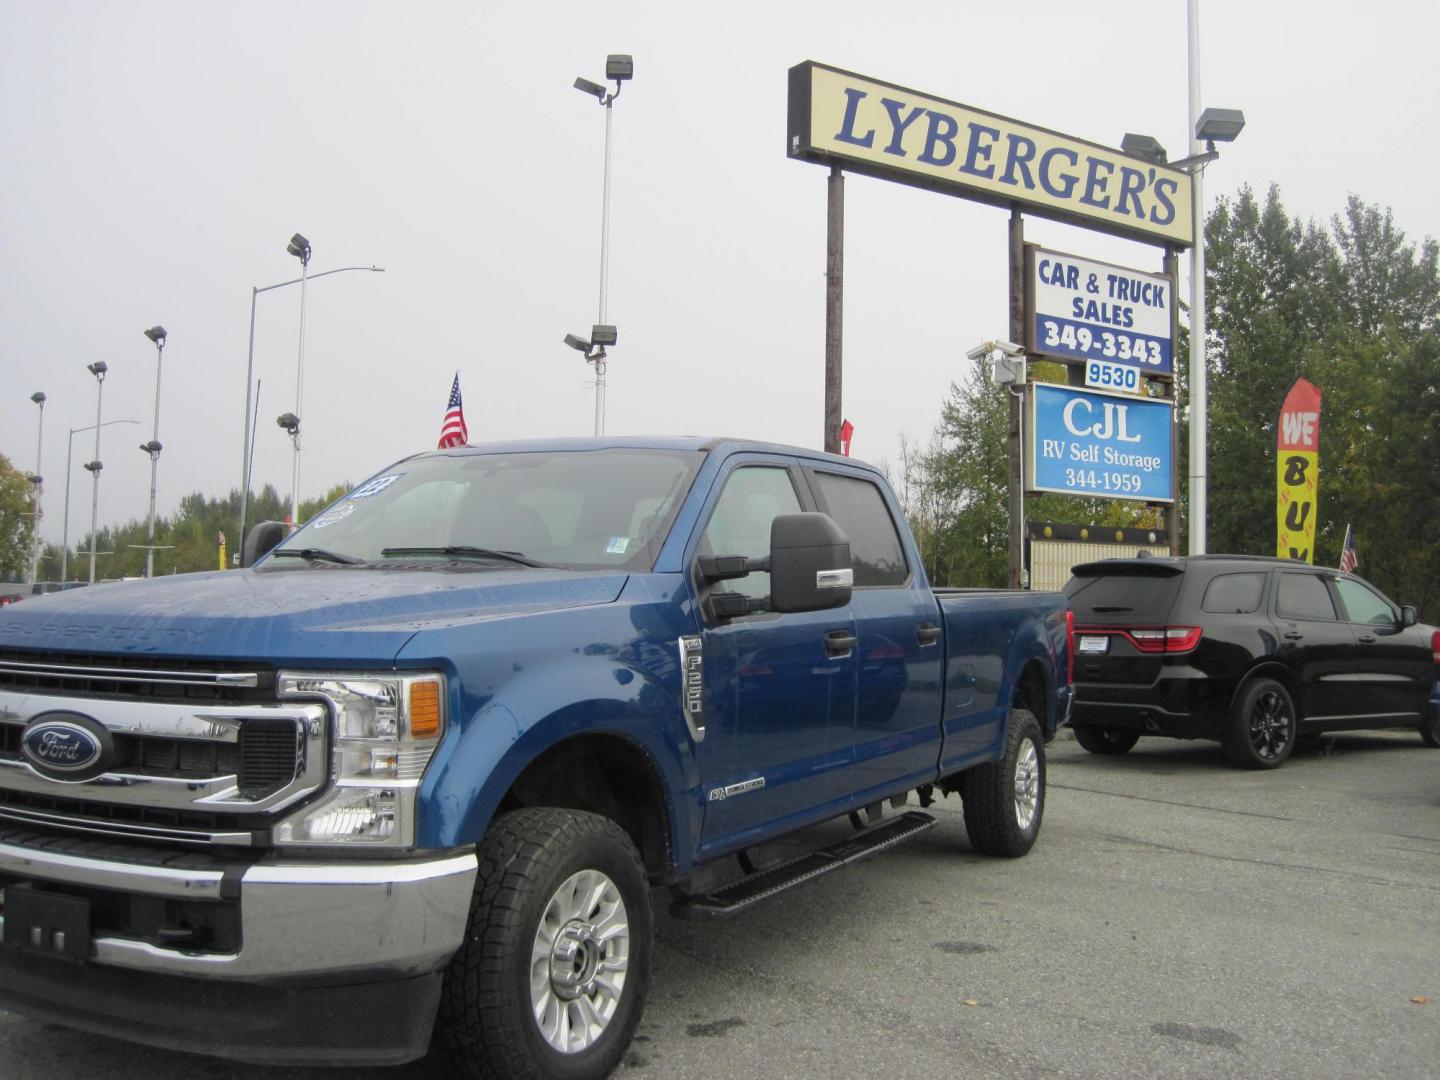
(740, 525)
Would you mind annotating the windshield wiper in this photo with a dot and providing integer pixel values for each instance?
(463, 551)
(316, 555)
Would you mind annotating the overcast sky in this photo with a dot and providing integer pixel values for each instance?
(156, 157)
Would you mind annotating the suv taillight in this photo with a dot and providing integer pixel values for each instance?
(1435, 646)
(1154, 639)
(1070, 644)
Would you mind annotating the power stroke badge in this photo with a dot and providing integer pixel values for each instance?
(66, 746)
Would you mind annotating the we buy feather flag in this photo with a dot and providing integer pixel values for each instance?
(1297, 472)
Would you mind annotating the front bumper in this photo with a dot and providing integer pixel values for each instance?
(338, 961)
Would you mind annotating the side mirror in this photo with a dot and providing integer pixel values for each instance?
(809, 563)
(1409, 616)
(262, 538)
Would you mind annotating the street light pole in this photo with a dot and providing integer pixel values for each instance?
(157, 335)
(300, 248)
(620, 68)
(1199, 389)
(39, 482)
(255, 291)
(98, 369)
(65, 532)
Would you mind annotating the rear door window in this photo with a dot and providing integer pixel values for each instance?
(1233, 594)
(859, 509)
(1304, 596)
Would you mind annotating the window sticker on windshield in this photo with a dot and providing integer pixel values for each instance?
(339, 513)
(374, 487)
(617, 545)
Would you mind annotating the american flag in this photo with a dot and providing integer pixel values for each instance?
(453, 431)
(1348, 560)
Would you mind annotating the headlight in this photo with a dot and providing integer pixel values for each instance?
(386, 729)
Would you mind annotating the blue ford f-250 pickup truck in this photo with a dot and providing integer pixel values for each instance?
(421, 767)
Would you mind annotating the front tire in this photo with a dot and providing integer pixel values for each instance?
(1106, 740)
(1263, 726)
(555, 968)
(1005, 800)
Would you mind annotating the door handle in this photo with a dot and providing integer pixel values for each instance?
(927, 633)
(1292, 635)
(839, 643)
(1368, 639)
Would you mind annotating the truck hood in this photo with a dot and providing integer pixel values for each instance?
(306, 615)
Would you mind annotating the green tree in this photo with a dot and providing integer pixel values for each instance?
(17, 522)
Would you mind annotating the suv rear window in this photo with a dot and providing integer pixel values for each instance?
(1233, 594)
(1124, 596)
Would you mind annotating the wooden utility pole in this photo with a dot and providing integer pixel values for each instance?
(1017, 335)
(834, 302)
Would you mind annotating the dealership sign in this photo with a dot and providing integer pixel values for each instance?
(1088, 442)
(885, 130)
(1093, 311)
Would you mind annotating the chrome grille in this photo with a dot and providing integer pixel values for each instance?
(134, 677)
(179, 770)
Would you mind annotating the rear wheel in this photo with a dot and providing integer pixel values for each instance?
(553, 974)
(1263, 726)
(1005, 800)
(1430, 730)
(1105, 740)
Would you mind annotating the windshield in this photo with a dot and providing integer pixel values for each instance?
(583, 510)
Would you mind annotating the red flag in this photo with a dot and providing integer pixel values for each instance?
(847, 429)
(453, 431)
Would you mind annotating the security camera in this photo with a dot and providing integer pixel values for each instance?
(1009, 348)
(579, 344)
(988, 348)
(981, 351)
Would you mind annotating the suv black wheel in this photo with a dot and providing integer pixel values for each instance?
(1263, 726)
(1105, 740)
(1430, 730)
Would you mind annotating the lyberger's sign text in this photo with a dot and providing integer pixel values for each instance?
(888, 131)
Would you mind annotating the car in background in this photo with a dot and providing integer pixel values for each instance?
(1250, 652)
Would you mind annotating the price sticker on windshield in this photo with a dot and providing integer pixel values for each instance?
(1107, 376)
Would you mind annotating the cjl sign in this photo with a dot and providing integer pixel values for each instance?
(1085, 310)
(1088, 442)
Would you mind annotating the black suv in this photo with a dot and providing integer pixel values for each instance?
(1251, 652)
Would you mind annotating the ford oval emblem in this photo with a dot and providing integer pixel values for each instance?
(65, 746)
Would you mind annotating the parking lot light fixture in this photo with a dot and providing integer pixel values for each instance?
(99, 369)
(157, 335)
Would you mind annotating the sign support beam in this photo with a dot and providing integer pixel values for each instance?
(1171, 267)
(834, 306)
(1017, 334)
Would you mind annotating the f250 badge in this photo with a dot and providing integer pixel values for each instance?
(692, 685)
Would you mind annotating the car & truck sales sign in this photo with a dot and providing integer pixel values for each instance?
(867, 126)
(1089, 442)
(1086, 310)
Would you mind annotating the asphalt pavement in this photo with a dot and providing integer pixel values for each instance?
(1177, 918)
